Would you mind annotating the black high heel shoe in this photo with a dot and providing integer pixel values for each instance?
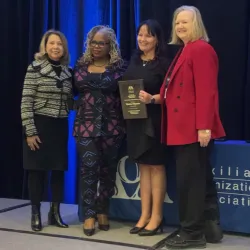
(136, 230)
(146, 232)
(101, 218)
(89, 231)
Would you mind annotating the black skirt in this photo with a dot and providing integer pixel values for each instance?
(143, 143)
(53, 152)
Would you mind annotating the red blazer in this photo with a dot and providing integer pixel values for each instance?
(191, 99)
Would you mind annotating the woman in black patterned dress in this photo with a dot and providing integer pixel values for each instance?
(99, 127)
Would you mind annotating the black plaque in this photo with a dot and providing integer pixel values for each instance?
(132, 107)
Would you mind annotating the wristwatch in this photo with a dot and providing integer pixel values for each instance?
(152, 100)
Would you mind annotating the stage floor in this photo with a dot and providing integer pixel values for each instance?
(15, 232)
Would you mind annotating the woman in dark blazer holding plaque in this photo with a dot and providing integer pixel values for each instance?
(143, 135)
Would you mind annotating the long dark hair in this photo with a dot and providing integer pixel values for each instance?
(154, 29)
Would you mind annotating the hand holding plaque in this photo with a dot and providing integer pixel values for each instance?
(132, 107)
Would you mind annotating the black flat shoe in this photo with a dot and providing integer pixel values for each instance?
(180, 241)
(146, 232)
(172, 235)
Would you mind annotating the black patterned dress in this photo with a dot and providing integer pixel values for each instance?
(99, 131)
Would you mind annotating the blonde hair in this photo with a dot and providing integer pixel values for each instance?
(41, 55)
(114, 53)
(199, 30)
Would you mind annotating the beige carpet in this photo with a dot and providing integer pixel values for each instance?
(16, 224)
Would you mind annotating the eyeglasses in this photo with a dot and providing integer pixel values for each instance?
(99, 44)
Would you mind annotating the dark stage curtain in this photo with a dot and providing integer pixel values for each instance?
(24, 22)
(124, 23)
(246, 130)
(23, 26)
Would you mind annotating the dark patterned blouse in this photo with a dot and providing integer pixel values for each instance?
(99, 110)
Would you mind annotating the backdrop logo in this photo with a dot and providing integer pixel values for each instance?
(128, 181)
(233, 185)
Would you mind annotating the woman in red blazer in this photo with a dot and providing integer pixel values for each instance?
(190, 122)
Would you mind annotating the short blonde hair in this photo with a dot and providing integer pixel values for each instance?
(41, 55)
(199, 30)
(114, 53)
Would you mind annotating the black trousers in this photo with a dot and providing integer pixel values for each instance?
(196, 190)
(98, 165)
(36, 184)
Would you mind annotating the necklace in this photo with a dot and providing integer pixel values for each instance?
(56, 65)
(100, 65)
(144, 63)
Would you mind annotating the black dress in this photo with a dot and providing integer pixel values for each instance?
(53, 133)
(143, 135)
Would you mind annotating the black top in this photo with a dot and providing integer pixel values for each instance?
(56, 66)
(142, 134)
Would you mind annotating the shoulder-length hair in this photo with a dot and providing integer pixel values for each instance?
(42, 54)
(154, 29)
(199, 30)
(114, 53)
